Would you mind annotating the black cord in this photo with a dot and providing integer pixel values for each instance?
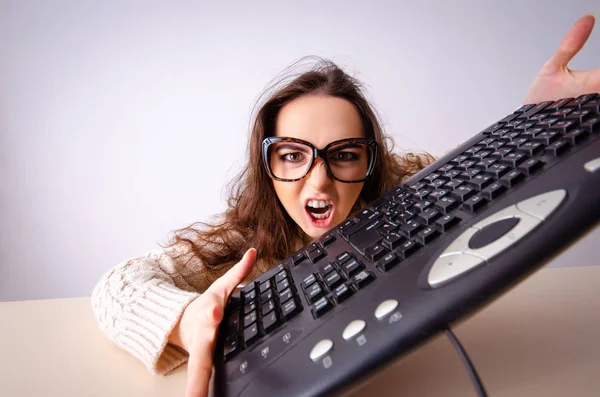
(470, 368)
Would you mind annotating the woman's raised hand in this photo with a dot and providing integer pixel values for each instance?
(555, 80)
(197, 330)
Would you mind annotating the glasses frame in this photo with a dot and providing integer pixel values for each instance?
(267, 142)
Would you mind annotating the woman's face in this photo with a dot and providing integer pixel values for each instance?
(318, 202)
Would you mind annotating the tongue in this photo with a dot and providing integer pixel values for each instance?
(318, 210)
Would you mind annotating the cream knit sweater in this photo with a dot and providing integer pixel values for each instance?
(139, 302)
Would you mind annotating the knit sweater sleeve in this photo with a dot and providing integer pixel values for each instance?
(139, 302)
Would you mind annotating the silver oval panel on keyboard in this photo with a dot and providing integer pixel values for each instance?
(458, 258)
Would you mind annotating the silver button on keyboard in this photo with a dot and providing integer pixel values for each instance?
(354, 328)
(320, 349)
(385, 308)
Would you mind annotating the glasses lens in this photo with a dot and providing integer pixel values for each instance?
(289, 160)
(349, 161)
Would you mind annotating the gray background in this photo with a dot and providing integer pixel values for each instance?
(123, 121)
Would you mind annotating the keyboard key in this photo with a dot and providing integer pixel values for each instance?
(321, 306)
(528, 167)
(314, 292)
(250, 333)
(512, 178)
(474, 203)
(283, 285)
(407, 248)
(289, 308)
(268, 307)
(493, 190)
(557, 148)
(437, 184)
(563, 126)
(392, 240)
(446, 204)
(328, 239)
(485, 163)
(269, 321)
(265, 286)
(326, 269)
(576, 136)
(463, 193)
(343, 257)
(581, 99)
(297, 258)
(332, 279)
(469, 174)
(230, 347)
(514, 159)
(446, 222)
(265, 296)
(497, 170)
(438, 194)
(410, 228)
(375, 252)
(352, 267)
(531, 148)
(313, 246)
(547, 137)
(317, 255)
(280, 276)
(500, 153)
(459, 159)
(453, 185)
(481, 181)
(388, 262)
(426, 235)
(387, 228)
(285, 295)
(591, 125)
(452, 174)
(428, 216)
(308, 281)
(578, 116)
(342, 293)
(362, 279)
(445, 168)
(418, 186)
(593, 105)
(249, 306)
(365, 239)
(559, 103)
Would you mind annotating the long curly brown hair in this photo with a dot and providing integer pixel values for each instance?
(254, 216)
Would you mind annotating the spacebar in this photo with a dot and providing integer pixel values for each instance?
(364, 239)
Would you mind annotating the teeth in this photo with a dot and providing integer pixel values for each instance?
(318, 203)
(321, 216)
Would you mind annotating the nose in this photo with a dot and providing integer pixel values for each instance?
(318, 177)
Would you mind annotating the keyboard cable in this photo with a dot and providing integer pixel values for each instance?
(468, 364)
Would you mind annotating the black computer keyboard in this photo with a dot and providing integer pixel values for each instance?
(428, 253)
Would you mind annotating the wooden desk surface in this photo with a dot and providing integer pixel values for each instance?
(540, 339)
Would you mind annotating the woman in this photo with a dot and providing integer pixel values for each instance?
(165, 307)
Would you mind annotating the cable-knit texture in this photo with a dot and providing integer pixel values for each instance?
(139, 302)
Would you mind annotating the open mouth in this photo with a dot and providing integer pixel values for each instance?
(319, 209)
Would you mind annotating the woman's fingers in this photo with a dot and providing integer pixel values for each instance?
(226, 284)
(571, 43)
(210, 314)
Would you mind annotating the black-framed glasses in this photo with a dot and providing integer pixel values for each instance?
(347, 160)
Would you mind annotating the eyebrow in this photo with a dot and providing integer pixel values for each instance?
(348, 145)
(293, 146)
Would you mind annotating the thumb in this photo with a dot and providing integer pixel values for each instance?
(572, 43)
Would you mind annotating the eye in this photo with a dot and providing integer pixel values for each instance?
(292, 157)
(344, 156)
